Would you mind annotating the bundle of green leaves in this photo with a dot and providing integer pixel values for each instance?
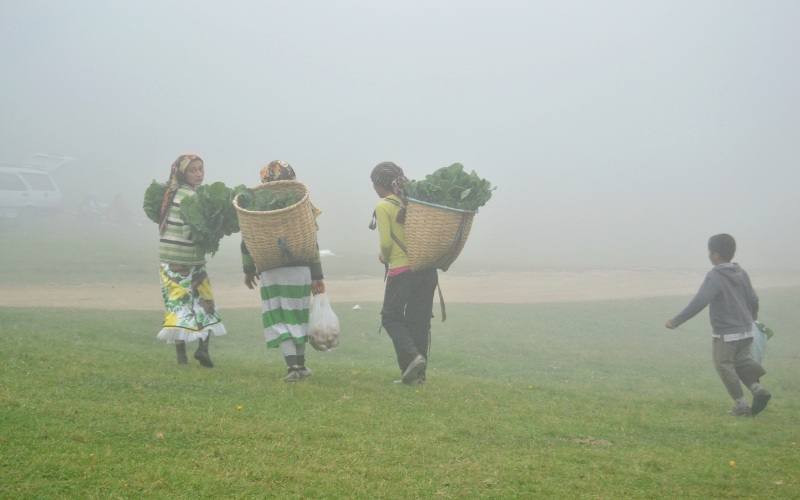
(452, 187)
(767, 331)
(153, 196)
(210, 214)
(265, 200)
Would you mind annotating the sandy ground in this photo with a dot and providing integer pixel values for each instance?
(518, 288)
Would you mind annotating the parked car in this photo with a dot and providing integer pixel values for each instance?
(30, 188)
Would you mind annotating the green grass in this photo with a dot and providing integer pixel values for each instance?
(588, 400)
(592, 400)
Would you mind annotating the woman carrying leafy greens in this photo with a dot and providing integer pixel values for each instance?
(191, 314)
(408, 298)
(286, 293)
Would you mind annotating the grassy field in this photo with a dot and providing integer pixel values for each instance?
(593, 400)
(583, 400)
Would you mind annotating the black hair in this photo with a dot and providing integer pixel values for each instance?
(389, 176)
(724, 245)
(385, 173)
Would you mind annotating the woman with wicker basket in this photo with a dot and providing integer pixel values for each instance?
(286, 293)
(408, 297)
(191, 314)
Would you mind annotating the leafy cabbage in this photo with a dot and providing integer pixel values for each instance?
(210, 214)
(452, 187)
(264, 200)
(153, 197)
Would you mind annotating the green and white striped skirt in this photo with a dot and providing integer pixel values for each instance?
(285, 301)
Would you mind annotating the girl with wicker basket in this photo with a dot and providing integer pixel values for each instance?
(286, 293)
(191, 314)
(408, 297)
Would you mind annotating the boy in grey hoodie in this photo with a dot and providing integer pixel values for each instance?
(733, 306)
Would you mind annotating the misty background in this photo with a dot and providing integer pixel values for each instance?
(618, 133)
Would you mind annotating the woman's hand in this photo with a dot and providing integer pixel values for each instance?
(317, 287)
(250, 280)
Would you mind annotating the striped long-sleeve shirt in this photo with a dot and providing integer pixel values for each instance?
(176, 246)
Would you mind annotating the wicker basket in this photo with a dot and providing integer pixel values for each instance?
(435, 235)
(279, 237)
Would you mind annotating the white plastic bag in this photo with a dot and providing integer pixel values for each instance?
(759, 346)
(323, 324)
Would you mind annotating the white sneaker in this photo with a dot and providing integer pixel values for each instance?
(416, 381)
(740, 411)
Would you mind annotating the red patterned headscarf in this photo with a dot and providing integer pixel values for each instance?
(277, 170)
(173, 183)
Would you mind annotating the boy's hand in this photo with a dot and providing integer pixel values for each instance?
(670, 325)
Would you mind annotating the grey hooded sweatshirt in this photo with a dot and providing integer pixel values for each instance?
(733, 304)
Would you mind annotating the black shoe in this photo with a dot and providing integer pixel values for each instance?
(180, 350)
(760, 400)
(201, 354)
(293, 374)
(414, 369)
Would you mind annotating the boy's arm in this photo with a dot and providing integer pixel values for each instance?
(708, 290)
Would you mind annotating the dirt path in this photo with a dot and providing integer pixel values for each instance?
(518, 288)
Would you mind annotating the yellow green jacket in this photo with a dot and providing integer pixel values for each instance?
(386, 219)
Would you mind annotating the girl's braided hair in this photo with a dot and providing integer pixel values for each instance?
(389, 176)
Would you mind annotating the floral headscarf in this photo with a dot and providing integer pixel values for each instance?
(173, 183)
(277, 170)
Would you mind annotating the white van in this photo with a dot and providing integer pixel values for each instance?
(29, 188)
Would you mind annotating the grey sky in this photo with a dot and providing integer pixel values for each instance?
(619, 133)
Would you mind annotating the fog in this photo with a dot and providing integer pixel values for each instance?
(618, 133)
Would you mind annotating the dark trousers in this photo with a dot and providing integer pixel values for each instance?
(734, 363)
(407, 312)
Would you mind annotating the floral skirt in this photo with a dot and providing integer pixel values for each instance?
(285, 299)
(191, 313)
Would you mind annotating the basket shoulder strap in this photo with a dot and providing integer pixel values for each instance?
(441, 301)
(394, 236)
(399, 243)
(393, 202)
